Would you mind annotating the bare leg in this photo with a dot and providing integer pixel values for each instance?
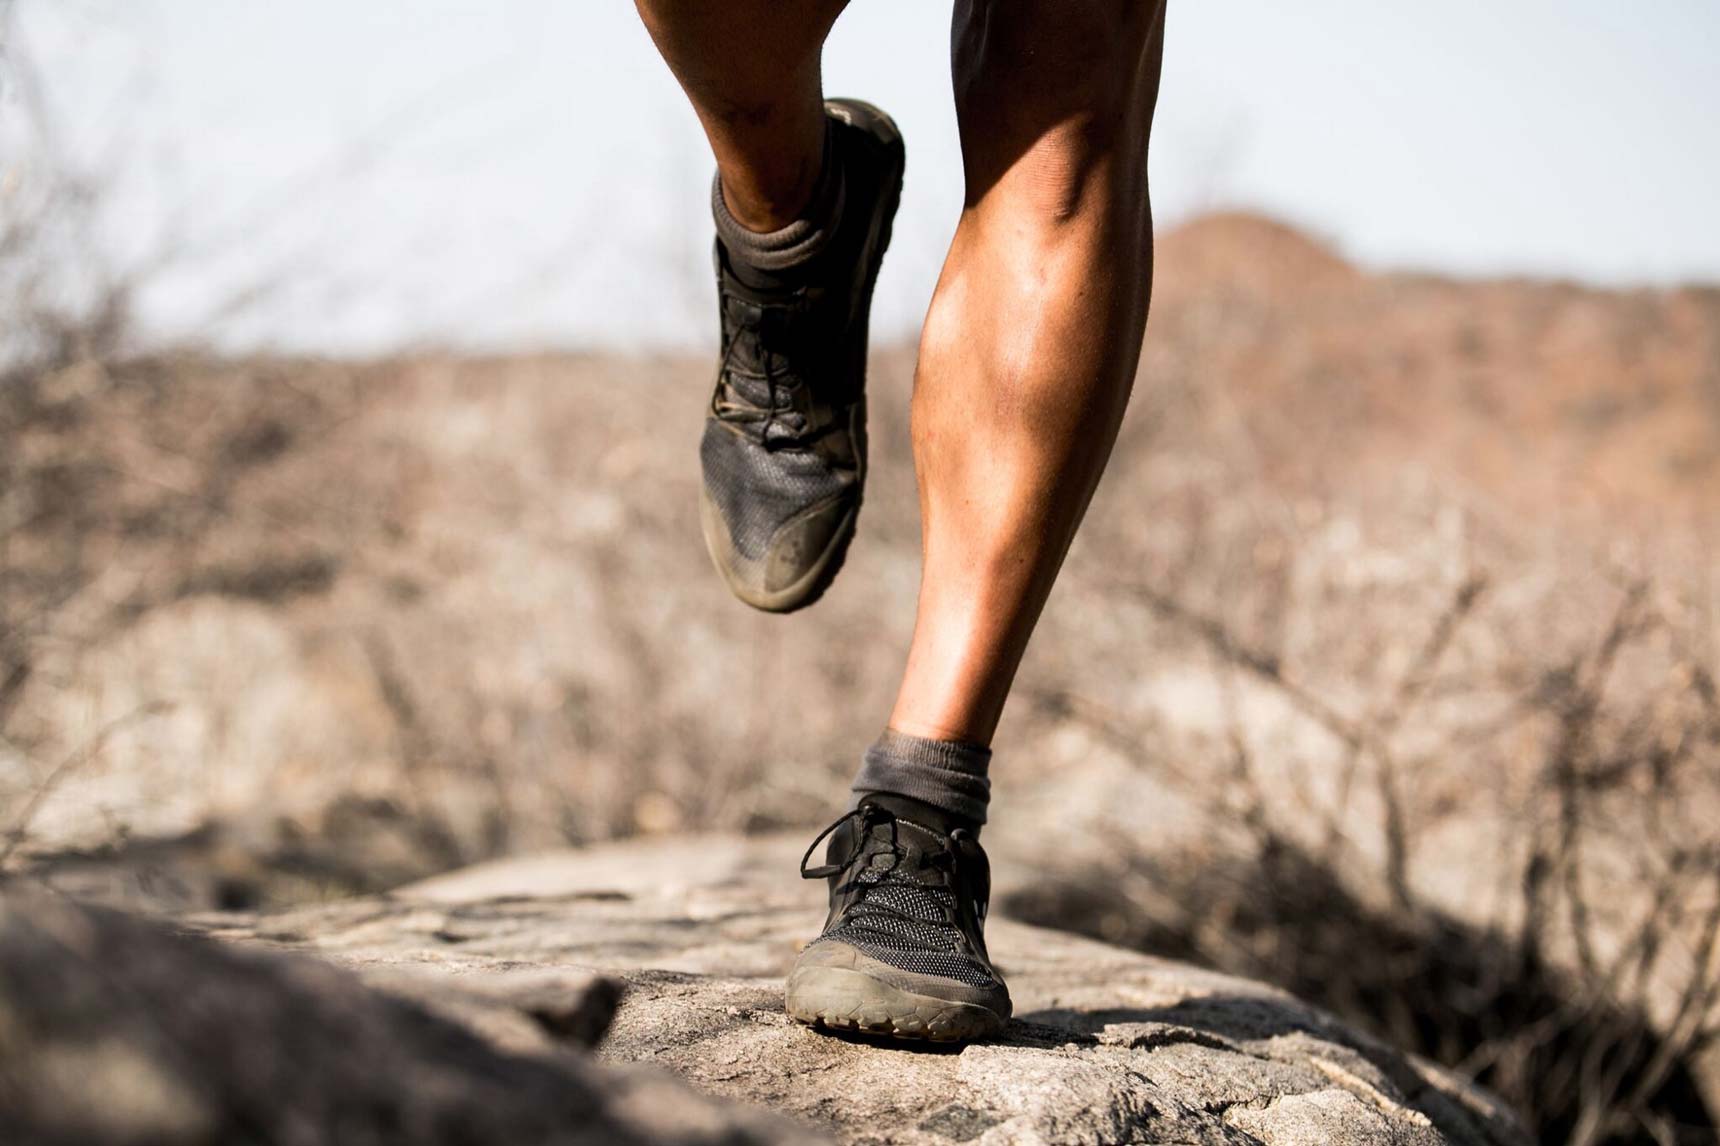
(1031, 345)
(752, 71)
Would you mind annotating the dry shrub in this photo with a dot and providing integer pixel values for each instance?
(1589, 1000)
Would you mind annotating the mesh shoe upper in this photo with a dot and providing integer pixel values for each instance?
(761, 452)
(784, 447)
(908, 896)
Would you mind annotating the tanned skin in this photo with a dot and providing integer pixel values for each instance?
(1031, 344)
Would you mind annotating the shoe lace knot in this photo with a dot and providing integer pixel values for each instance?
(890, 877)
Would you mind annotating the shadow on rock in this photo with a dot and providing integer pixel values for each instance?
(114, 1030)
(1470, 998)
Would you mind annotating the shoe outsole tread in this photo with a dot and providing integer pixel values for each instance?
(852, 1002)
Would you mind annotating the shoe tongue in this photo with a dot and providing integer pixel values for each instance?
(748, 352)
(766, 341)
(918, 813)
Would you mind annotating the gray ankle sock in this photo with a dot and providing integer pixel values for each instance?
(947, 774)
(773, 252)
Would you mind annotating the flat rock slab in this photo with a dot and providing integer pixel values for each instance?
(1108, 1046)
(117, 1030)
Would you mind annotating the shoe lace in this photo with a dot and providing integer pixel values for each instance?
(868, 844)
(775, 423)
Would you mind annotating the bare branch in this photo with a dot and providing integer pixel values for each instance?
(82, 755)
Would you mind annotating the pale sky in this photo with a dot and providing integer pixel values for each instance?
(521, 173)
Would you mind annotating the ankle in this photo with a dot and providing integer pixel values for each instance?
(775, 233)
(946, 775)
(761, 209)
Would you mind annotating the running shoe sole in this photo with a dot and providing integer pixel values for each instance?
(839, 999)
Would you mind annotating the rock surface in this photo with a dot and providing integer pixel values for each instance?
(1107, 1046)
(116, 1031)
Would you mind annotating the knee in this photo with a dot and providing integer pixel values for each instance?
(1063, 54)
(1055, 91)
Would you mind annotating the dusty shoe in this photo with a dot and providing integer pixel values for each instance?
(784, 449)
(903, 950)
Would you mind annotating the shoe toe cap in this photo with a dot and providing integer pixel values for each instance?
(792, 566)
(831, 954)
(803, 542)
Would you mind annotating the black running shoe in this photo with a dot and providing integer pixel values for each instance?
(903, 950)
(784, 449)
